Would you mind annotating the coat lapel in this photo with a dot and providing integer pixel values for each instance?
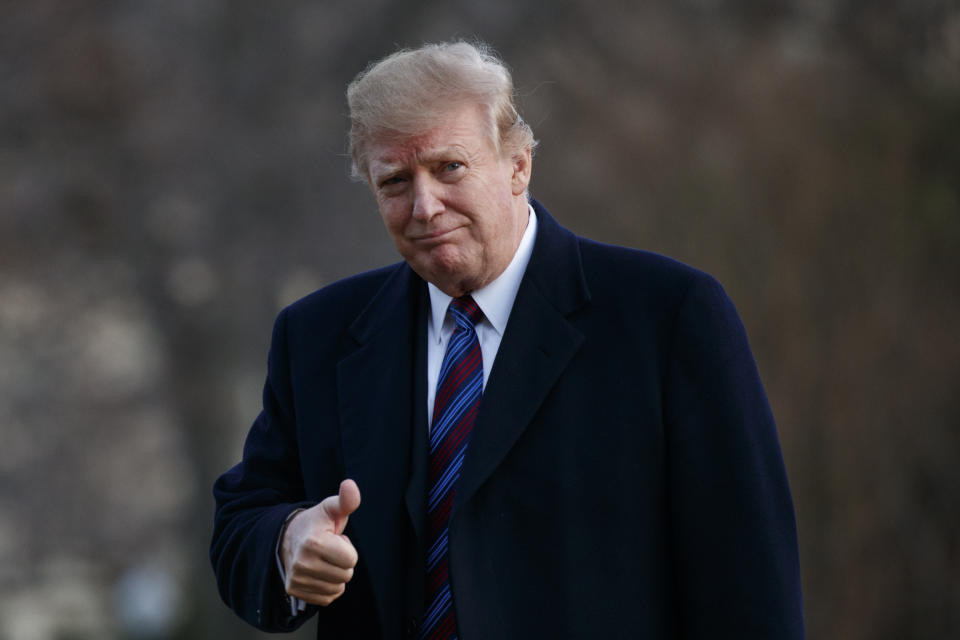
(375, 386)
(537, 345)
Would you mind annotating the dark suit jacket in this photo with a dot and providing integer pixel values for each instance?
(623, 478)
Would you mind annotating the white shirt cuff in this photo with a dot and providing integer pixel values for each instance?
(297, 606)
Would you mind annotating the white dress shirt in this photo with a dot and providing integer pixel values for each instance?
(496, 302)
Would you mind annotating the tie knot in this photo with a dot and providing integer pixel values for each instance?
(465, 311)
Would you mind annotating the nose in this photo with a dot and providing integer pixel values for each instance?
(426, 201)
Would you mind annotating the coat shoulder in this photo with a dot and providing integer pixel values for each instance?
(345, 298)
(615, 271)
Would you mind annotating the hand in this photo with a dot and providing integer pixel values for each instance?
(317, 558)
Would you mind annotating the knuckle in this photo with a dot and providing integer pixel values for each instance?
(352, 558)
(328, 598)
(333, 588)
(299, 566)
(314, 545)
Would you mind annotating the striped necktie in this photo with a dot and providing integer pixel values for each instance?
(459, 388)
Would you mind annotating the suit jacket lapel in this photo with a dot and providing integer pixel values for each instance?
(537, 345)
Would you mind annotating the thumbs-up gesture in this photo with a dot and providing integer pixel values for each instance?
(317, 558)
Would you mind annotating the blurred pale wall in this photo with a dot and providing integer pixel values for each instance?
(172, 173)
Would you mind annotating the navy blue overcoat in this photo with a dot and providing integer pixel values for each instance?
(623, 479)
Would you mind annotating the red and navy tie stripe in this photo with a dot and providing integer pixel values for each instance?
(459, 388)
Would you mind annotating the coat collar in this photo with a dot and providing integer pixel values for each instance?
(537, 346)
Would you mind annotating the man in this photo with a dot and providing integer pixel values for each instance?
(552, 438)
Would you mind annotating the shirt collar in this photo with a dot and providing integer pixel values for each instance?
(495, 299)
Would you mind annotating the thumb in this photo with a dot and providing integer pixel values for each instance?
(340, 506)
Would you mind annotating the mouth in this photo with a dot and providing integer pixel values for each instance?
(433, 236)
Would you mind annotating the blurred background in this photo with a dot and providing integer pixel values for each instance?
(172, 173)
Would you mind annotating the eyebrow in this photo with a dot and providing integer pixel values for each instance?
(442, 153)
(380, 169)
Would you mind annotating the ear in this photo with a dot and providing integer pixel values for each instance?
(520, 179)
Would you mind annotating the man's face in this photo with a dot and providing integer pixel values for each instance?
(454, 206)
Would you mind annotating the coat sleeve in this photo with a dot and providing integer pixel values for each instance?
(253, 500)
(731, 515)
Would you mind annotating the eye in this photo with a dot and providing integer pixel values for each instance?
(451, 170)
(391, 180)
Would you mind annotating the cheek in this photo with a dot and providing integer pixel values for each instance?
(393, 218)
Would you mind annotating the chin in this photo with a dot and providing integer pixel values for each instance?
(446, 265)
(448, 268)
(453, 282)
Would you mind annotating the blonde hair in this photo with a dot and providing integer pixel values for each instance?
(406, 92)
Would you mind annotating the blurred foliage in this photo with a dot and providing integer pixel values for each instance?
(173, 172)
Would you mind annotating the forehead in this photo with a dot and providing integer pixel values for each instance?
(463, 130)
